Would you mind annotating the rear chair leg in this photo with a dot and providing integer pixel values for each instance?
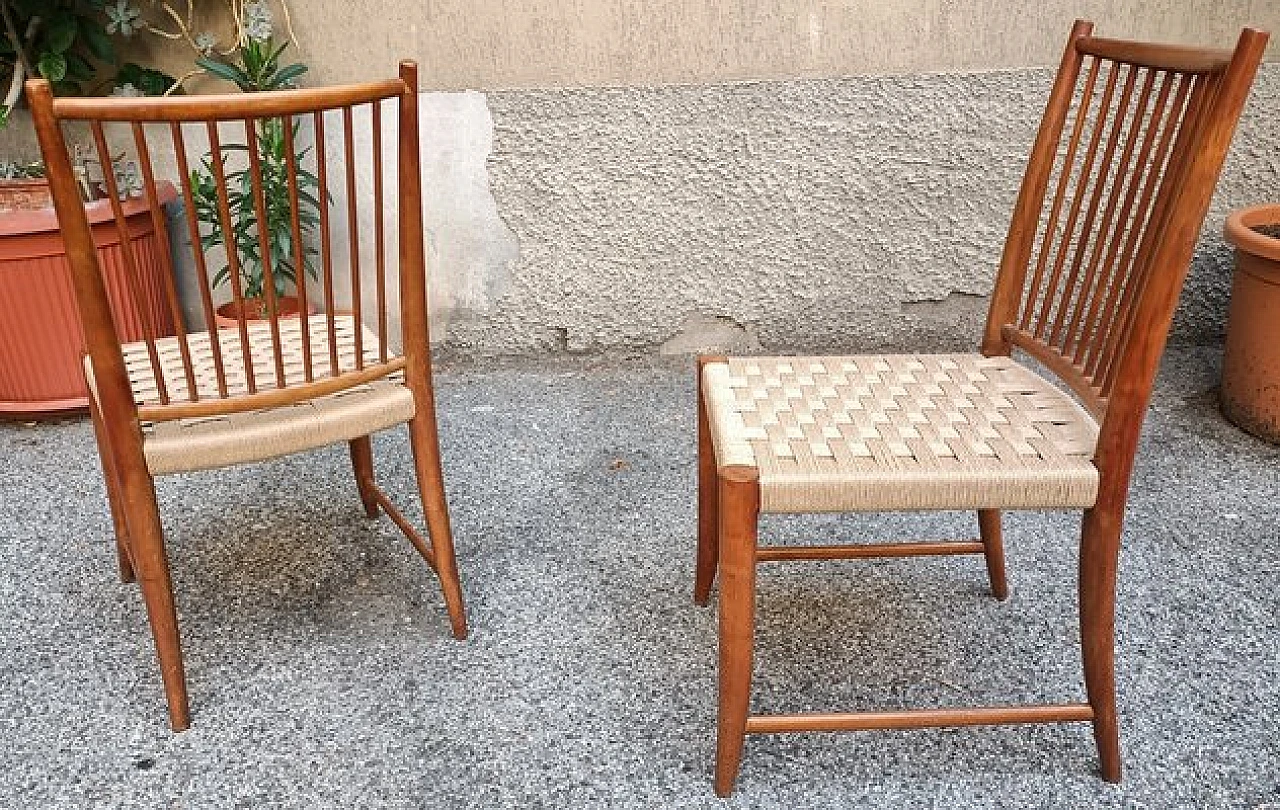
(112, 479)
(739, 513)
(426, 461)
(362, 465)
(993, 544)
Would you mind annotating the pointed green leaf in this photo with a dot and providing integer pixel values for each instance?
(52, 66)
(224, 71)
(60, 33)
(78, 68)
(97, 39)
(288, 73)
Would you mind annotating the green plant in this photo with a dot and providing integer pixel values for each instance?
(256, 68)
(72, 43)
(13, 170)
(64, 41)
(242, 207)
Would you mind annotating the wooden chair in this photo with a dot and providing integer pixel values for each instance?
(205, 398)
(1131, 144)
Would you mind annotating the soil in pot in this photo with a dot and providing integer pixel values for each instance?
(25, 194)
(230, 314)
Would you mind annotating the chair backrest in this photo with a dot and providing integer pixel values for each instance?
(1105, 224)
(284, 193)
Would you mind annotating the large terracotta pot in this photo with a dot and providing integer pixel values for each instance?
(1251, 365)
(41, 342)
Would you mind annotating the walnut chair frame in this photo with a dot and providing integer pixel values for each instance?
(208, 398)
(1087, 285)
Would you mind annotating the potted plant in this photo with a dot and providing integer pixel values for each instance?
(72, 44)
(1251, 364)
(257, 67)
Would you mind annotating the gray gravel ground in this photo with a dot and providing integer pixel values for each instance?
(322, 673)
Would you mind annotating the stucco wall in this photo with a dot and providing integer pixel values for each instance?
(506, 44)
(851, 213)
(683, 174)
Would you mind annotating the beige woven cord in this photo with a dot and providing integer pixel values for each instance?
(901, 432)
(202, 443)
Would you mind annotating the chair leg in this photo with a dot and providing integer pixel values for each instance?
(993, 550)
(152, 566)
(426, 461)
(112, 480)
(708, 506)
(739, 514)
(362, 465)
(1099, 551)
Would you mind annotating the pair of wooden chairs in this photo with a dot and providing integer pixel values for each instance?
(1087, 286)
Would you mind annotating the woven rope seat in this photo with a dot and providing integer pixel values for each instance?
(888, 432)
(200, 443)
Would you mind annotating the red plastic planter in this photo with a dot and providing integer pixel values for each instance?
(40, 337)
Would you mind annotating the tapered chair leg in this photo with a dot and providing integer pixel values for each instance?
(152, 567)
(426, 461)
(739, 515)
(112, 480)
(993, 550)
(708, 505)
(362, 465)
(1099, 551)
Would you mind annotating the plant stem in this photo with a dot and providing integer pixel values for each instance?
(12, 31)
(15, 87)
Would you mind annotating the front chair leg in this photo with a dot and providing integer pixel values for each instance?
(993, 550)
(426, 462)
(152, 566)
(739, 514)
(1099, 552)
(708, 503)
(362, 466)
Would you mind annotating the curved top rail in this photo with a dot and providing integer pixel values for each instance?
(225, 106)
(1178, 58)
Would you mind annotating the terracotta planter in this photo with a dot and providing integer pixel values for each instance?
(1251, 365)
(40, 337)
(228, 316)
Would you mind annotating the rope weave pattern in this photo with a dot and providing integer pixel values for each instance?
(201, 443)
(142, 378)
(900, 432)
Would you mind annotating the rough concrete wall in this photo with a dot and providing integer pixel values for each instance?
(556, 43)
(824, 214)
(827, 214)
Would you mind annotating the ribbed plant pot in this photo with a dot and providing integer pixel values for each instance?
(41, 341)
(1251, 364)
